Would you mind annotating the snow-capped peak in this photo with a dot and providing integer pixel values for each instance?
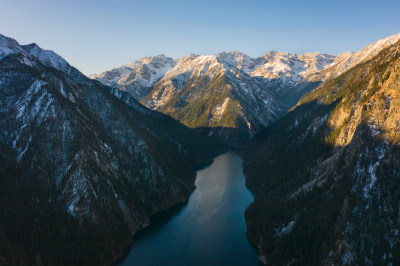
(373, 49)
(291, 68)
(8, 46)
(47, 57)
(145, 70)
(348, 60)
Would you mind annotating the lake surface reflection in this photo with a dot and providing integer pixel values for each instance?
(208, 230)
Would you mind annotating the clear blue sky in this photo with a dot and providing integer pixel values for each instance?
(97, 35)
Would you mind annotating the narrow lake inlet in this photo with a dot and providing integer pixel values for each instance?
(209, 229)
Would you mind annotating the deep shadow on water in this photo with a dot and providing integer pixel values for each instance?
(207, 230)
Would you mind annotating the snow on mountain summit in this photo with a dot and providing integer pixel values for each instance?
(138, 76)
(47, 57)
(143, 73)
(348, 60)
(150, 69)
(8, 46)
(292, 67)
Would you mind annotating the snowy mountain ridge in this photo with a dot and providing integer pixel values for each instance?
(291, 67)
(46, 57)
(347, 60)
(138, 76)
(9, 46)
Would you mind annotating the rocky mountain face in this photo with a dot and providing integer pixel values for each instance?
(83, 165)
(229, 95)
(138, 77)
(202, 92)
(287, 75)
(326, 175)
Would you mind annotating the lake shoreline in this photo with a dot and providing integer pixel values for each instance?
(223, 197)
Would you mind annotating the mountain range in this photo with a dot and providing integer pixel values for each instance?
(87, 160)
(230, 95)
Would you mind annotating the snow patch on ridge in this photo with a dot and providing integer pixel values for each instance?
(220, 109)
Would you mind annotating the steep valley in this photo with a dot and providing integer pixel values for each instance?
(325, 176)
(87, 161)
